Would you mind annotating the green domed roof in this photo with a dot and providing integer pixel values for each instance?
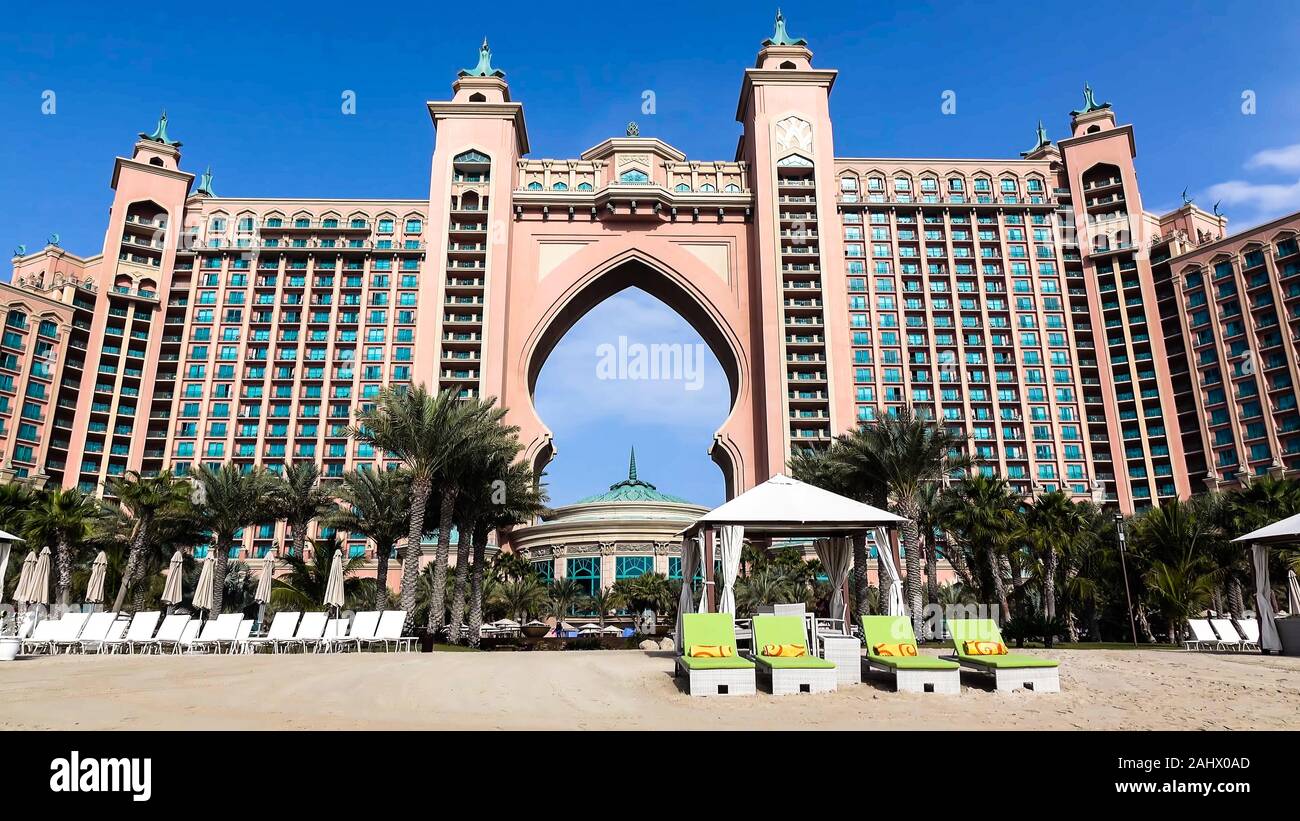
(632, 489)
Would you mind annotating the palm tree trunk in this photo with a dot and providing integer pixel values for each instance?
(460, 586)
(1216, 599)
(222, 561)
(438, 599)
(1235, 604)
(476, 586)
(1144, 625)
(931, 568)
(861, 581)
(63, 562)
(421, 490)
(912, 558)
(957, 558)
(999, 584)
(1071, 621)
(134, 556)
(382, 552)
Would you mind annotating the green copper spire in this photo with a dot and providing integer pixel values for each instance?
(159, 134)
(1041, 139)
(632, 489)
(631, 467)
(484, 67)
(1090, 103)
(205, 184)
(781, 37)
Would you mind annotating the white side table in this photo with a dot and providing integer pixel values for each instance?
(845, 652)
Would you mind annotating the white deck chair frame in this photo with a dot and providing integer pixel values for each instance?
(283, 626)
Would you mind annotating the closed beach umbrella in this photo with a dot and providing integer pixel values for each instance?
(334, 588)
(264, 578)
(1293, 592)
(95, 589)
(175, 570)
(25, 578)
(38, 589)
(203, 592)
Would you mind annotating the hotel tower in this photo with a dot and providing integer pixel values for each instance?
(1029, 303)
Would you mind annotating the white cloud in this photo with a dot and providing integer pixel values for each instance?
(1262, 201)
(1286, 158)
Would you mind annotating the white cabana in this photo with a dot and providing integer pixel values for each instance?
(1286, 531)
(7, 541)
(781, 507)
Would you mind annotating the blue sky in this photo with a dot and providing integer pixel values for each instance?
(258, 96)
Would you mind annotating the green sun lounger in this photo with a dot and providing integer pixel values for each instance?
(798, 674)
(1010, 672)
(912, 674)
(729, 676)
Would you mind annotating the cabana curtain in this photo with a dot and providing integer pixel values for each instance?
(835, 555)
(1268, 637)
(4, 567)
(685, 602)
(893, 598)
(731, 538)
(1292, 593)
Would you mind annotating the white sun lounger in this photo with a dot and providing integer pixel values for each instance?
(335, 629)
(216, 632)
(93, 631)
(173, 627)
(66, 631)
(1202, 636)
(188, 636)
(1250, 629)
(41, 635)
(390, 631)
(26, 625)
(1229, 637)
(310, 631)
(282, 627)
(128, 636)
(363, 628)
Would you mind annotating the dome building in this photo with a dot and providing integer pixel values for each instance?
(629, 530)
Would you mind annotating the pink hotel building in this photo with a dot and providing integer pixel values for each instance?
(1030, 303)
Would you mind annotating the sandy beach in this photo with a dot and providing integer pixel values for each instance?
(1101, 689)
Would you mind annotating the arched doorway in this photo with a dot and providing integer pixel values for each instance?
(541, 312)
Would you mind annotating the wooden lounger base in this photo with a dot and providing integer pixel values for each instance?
(718, 682)
(947, 682)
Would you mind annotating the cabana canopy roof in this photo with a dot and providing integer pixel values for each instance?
(6, 536)
(1287, 530)
(785, 506)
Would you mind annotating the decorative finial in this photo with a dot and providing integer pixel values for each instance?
(484, 67)
(205, 184)
(1217, 212)
(20, 251)
(1041, 136)
(159, 134)
(54, 239)
(631, 467)
(780, 37)
(1186, 199)
(1090, 103)
(633, 130)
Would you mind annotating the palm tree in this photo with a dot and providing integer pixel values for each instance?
(1050, 522)
(1174, 542)
(377, 505)
(563, 595)
(899, 453)
(765, 585)
(16, 499)
(151, 502)
(303, 586)
(649, 591)
(522, 598)
(930, 521)
(514, 497)
(64, 520)
(425, 432)
(230, 500)
(827, 470)
(983, 514)
(603, 601)
(298, 497)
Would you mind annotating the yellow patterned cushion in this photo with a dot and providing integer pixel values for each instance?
(895, 649)
(788, 651)
(710, 651)
(985, 648)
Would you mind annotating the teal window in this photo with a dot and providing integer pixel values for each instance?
(545, 569)
(633, 567)
(633, 176)
(586, 572)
